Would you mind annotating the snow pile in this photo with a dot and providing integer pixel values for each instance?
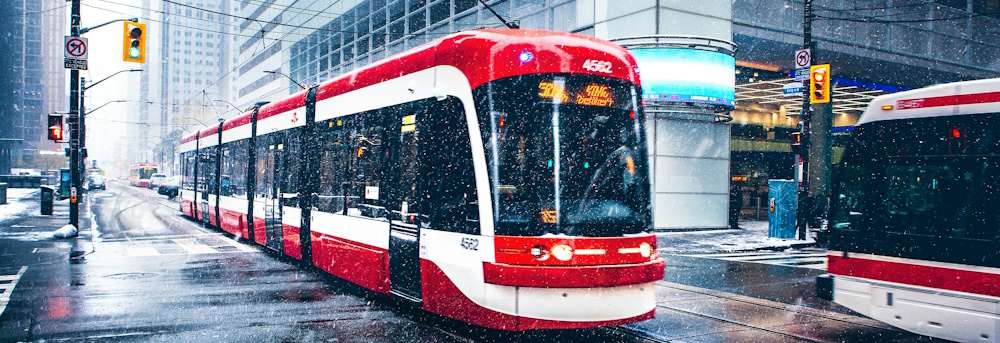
(751, 236)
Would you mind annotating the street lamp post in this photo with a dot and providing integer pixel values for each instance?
(75, 119)
(230, 104)
(289, 77)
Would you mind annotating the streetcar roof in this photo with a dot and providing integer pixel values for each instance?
(957, 98)
(482, 55)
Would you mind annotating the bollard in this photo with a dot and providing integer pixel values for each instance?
(3, 193)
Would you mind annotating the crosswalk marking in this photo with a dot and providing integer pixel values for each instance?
(802, 259)
(7, 288)
(193, 246)
(142, 251)
(178, 245)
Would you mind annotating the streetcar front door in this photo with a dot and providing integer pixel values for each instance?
(405, 216)
(274, 188)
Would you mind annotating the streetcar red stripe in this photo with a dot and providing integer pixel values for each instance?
(516, 250)
(290, 241)
(362, 264)
(949, 100)
(574, 276)
(284, 105)
(918, 275)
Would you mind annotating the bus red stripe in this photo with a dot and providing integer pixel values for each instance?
(949, 100)
(911, 274)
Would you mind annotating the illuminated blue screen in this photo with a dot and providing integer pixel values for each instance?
(687, 75)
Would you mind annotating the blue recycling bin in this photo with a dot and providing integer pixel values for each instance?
(782, 202)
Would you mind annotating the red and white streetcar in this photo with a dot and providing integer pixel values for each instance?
(914, 226)
(498, 177)
(140, 173)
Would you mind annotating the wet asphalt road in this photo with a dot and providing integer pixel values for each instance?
(148, 274)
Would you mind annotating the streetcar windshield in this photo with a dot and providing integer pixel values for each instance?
(566, 155)
(145, 172)
(933, 183)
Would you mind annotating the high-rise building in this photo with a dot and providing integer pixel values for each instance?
(31, 79)
(185, 73)
(699, 143)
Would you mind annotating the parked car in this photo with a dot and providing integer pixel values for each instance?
(170, 187)
(156, 180)
(95, 182)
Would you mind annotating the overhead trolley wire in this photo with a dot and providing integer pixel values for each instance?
(35, 12)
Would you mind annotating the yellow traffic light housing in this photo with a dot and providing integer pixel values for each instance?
(134, 42)
(819, 84)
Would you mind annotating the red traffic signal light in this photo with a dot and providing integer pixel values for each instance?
(819, 84)
(796, 143)
(55, 127)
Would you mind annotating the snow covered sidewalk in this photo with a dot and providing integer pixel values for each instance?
(751, 236)
(17, 203)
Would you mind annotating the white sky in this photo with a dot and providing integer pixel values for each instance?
(105, 58)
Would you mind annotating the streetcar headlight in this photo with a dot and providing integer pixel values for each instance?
(539, 253)
(526, 56)
(562, 252)
(645, 249)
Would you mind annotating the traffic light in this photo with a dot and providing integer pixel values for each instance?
(55, 127)
(797, 143)
(134, 42)
(819, 84)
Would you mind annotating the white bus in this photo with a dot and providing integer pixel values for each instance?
(915, 213)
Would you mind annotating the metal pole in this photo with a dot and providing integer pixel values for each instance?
(802, 212)
(83, 138)
(74, 123)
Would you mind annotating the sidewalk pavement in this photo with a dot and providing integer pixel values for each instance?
(21, 219)
(751, 236)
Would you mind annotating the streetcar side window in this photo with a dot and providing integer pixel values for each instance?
(188, 170)
(333, 149)
(451, 182)
(405, 185)
(290, 172)
(365, 173)
(234, 168)
(262, 184)
(237, 169)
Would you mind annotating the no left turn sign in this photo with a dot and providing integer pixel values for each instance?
(802, 58)
(76, 48)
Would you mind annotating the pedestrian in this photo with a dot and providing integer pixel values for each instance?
(735, 205)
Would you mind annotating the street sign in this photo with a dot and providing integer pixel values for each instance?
(802, 74)
(792, 89)
(802, 58)
(75, 64)
(76, 47)
(75, 53)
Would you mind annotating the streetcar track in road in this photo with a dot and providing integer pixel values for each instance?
(818, 314)
(190, 243)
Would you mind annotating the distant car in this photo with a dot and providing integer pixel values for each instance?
(95, 182)
(156, 180)
(170, 187)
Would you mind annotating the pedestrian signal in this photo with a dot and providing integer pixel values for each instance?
(55, 127)
(819, 84)
(134, 42)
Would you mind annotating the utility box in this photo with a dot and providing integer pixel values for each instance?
(782, 202)
(64, 183)
(47, 194)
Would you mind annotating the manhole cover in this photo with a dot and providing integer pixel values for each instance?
(130, 276)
